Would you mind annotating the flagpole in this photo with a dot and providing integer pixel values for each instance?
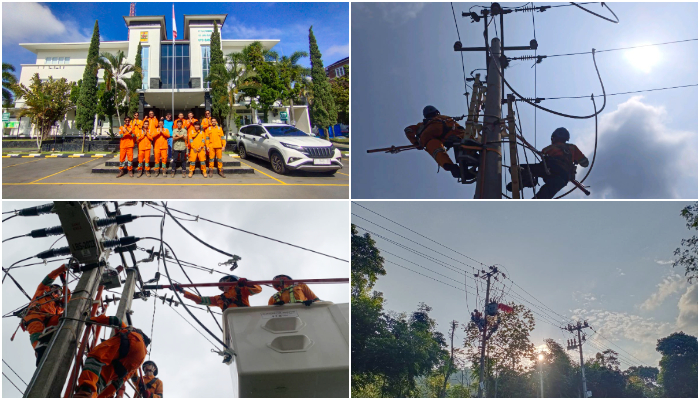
(173, 85)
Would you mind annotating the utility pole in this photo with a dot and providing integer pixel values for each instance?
(127, 296)
(452, 355)
(513, 149)
(86, 247)
(541, 383)
(578, 327)
(486, 275)
(488, 186)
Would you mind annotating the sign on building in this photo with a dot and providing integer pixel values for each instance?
(283, 115)
(204, 35)
(5, 116)
(144, 36)
(14, 124)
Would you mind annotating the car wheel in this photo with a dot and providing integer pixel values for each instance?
(278, 163)
(241, 152)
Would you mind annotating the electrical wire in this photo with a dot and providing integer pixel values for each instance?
(527, 162)
(195, 328)
(13, 384)
(10, 217)
(461, 54)
(244, 231)
(617, 20)
(15, 237)
(595, 151)
(616, 94)
(8, 366)
(534, 34)
(622, 48)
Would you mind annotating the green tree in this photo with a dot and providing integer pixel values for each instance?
(45, 103)
(233, 77)
(687, 254)
(340, 87)
(642, 381)
(293, 76)
(135, 84)
(220, 106)
(106, 107)
(557, 367)
(366, 263)
(75, 92)
(678, 374)
(263, 85)
(9, 80)
(115, 69)
(323, 109)
(604, 378)
(87, 102)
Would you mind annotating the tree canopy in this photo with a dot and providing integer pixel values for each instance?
(687, 254)
(87, 102)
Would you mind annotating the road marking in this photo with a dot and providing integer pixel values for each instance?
(62, 171)
(257, 170)
(342, 173)
(173, 184)
(38, 159)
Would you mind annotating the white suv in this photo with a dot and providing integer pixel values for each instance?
(287, 148)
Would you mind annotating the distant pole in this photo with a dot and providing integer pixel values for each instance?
(488, 186)
(493, 271)
(578, 328)
(541, 385)
(513, 150)
(583, 369)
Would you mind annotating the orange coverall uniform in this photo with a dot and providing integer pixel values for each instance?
(136, 122)
(152, 124)
(160, 147)
(561, 159)
(197, 145)
(126, 147)
(293, 294)
(432, 134)
(216, 141)
(190, 128)
(43, 312)
(206, 123)
(143, 139)
(109, 363)
(235, 296)
(154, 386)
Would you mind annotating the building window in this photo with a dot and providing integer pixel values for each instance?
(181, 58)
(206, 58)
(340, 71)
(60, 60)
(54, 60)
(67, 60)
(144, 67)
(48, 60)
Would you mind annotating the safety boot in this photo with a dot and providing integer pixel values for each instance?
(122, 172)
(172, 175)
(204, 174)
(148, 174)
(84, 391)
(183, 173)
(190, 175)
(141, 174)
(131, 173)
(157, 173)
(221, 173)
(454, 170)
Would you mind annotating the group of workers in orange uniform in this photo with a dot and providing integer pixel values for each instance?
(191, 139)
(111, 363)
(557, 168)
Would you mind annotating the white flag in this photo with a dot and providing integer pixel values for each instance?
(174, 24)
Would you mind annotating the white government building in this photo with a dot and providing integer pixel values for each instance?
(191, 53)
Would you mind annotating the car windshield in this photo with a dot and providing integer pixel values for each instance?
(285, 131)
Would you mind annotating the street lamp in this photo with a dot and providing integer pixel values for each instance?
(540, 357)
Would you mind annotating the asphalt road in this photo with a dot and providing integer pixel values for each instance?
(62, 178)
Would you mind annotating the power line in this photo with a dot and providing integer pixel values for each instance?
(429, 277)
(8, 366)
(610, 341)
(13, 384)
(198, 331)
(615, 94)
(461, 54)
(621, 48)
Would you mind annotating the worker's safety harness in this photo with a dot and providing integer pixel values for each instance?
(237, 301)
(124, 348)
(566, 162)
(278, 296)
(445, 128)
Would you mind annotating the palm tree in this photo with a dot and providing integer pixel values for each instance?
(116, 67)
(235, 77)
(293, 77)
(9, 80)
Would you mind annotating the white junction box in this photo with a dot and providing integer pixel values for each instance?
(290, 351)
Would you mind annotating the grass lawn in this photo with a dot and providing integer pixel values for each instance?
(343, 141)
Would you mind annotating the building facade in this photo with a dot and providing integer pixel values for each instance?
(337, 69)
(172, 70)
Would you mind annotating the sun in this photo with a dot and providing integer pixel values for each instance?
(643, 58)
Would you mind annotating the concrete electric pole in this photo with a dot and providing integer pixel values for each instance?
(488, 186)
(86, 247)
(486, 275)
(578, 327)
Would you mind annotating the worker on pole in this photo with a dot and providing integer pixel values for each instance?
(151, 386)
(126, 148)
(216, 142)
(44, 311)
(233, 296)
(557, 168)
(433, 133)
(291, 292)
(109, 364)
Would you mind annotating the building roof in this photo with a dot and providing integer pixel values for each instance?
(113, 45)
(267, 44)
(157, 19)
(221, 18)
(342, 62)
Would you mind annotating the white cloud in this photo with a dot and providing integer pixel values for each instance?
(640, 156)
(393, 13)
(39, 25)
(670, 285)
(624, 325)
(341, 50)
(619, 270)
(687, 320)
(664, 262)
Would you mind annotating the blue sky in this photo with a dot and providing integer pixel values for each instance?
(607, 262)
(647, 148)
(71, 22)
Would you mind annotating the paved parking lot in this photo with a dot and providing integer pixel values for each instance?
(60, 178)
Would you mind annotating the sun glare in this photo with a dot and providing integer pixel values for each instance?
(643, 58)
